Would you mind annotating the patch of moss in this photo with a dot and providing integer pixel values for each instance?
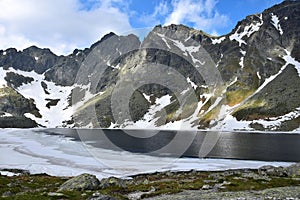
(252, 184)
(236, 97)
(187, 110)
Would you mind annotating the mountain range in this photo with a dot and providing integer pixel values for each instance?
(175, 78)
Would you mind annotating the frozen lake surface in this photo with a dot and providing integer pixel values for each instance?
(58, 155)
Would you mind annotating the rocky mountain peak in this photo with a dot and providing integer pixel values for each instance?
(257, 64)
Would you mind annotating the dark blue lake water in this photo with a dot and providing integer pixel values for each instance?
(235, 145)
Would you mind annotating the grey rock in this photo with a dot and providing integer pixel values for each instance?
(252, 175)
(98, 196)
(7, 194)
(293, 170)
(80, 183)
(273, 171)
(112, 181)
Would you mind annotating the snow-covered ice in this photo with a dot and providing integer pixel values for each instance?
(61, 156)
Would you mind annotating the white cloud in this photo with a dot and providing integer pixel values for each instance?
(65, 25)
(153, 19)
(201, 14)
(59, 25)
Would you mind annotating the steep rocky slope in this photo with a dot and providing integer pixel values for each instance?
(176, 78)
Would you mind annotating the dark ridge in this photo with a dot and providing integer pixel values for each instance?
(105, 37)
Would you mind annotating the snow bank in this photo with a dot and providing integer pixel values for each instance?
(53, 116)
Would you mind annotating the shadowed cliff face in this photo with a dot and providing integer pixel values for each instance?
(247, 79)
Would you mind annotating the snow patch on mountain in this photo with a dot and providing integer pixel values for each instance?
(5, 114)
(150, 118)
(218, 40)
(54, 115)
(242, 62)
(258, 75)
(147, 97)
(116, 67)
(219, 61)
(248, 31)
(192, 83)
(2, 76)
(166, 42)
(188, 123)
(187, 50)
(290, 60)
(238, 37)
(275, 122)
(88, 96)
(230, 123)
(242, 58)
(275, 22)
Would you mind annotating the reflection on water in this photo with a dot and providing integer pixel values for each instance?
(236, 145)
(258, 146)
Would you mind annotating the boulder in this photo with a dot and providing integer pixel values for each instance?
(273, 171)
(80, 183)
(112, 181)
(293, 170)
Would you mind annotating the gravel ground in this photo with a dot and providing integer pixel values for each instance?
(288, 193)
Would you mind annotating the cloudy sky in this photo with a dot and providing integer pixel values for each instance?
(63, 25)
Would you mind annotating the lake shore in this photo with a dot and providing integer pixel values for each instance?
(265, 182)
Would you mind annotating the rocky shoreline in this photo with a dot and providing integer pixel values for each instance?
(267, 182)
